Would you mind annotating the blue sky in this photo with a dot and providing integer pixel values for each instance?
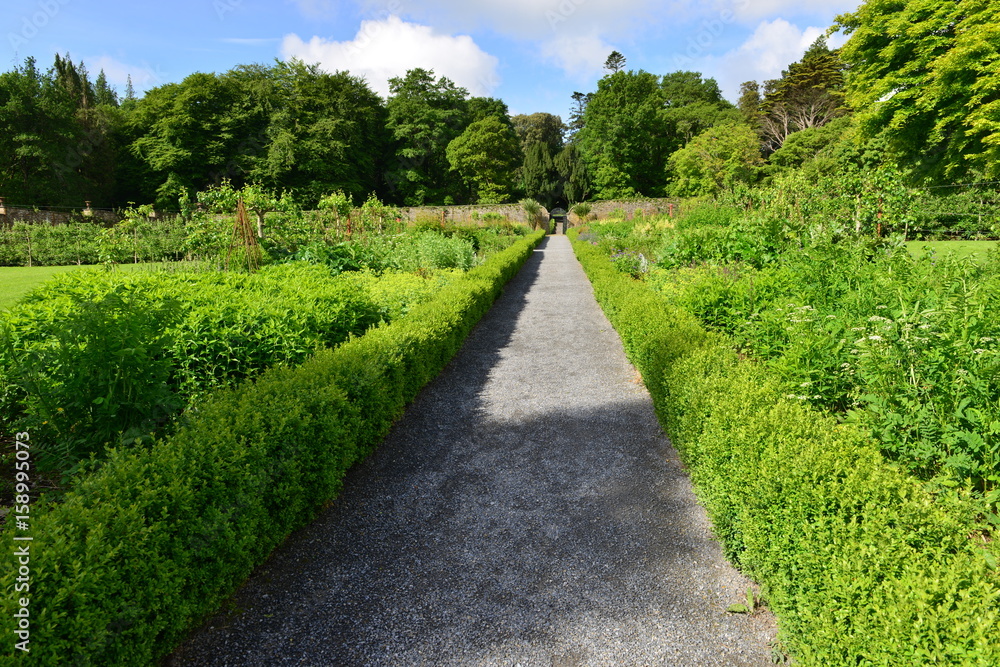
(531, 53)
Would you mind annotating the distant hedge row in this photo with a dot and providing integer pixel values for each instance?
(861, 565)
(143, 549)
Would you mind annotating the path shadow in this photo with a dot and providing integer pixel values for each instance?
(473, 533)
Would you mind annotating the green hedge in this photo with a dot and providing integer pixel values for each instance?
(95, 357)
(143, 549)
(860, 564)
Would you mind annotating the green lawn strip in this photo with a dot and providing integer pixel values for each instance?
(17, 281)
(959, 248)
(859, 563)
(143, 549)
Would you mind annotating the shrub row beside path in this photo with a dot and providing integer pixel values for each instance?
(861, 564)
(527, 509)
(140, 550)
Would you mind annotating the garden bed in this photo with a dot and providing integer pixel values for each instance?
(142, 549)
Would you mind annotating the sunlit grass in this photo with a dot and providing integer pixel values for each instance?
(959, 248)
(16, 281)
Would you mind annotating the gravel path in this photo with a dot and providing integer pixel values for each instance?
(527, 510)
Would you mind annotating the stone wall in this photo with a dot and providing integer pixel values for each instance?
(10, 214)
(513, 212)
(629, 209)
(465, 214)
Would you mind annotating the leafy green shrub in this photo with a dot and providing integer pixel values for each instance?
(142, 549)
(860, 563)
(904, 347)
(136, 239)
(101, 372)
(95, 357)
(581, 210)
(427, 223)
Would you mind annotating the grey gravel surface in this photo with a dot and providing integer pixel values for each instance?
(527, 510)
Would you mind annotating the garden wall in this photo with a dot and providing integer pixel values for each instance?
(9, 215)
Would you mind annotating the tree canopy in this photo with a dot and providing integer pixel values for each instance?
(486, 156)
(425, 115)
(717, 158)
(925, 76)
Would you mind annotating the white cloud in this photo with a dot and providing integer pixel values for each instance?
(386, 48)
(772, 47)
(579, 57)
(144, 77)
(530, 19)
(754, 10)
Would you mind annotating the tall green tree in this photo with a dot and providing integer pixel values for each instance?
(808, 94)
(56, 137)
(187, 136)
(425, 115)
(749, 102)
(625, 138)
(615, 62)
(718, 158)
(542, 128)
(479, 108)
(104, 94)
(574, 175)
(693, 104)
(540, 179)
(37, 130)
(324, 132)
(541, 137)
(486, 156)
(288, 126)
(925, 76)
(684, 88)
(576, 113)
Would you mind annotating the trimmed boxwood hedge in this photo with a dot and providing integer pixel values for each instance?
(860, 563)
(141, 550)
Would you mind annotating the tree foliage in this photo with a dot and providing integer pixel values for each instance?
(718, 158)
(541, 137)
(615, 62)
(425, 115)
(57, 136)
(486, 157)
(808, 94)
(285, 126)
(624, 135)
(925, 76)
(542, 128)
(635, 121)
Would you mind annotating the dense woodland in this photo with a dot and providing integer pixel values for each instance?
(914, 96)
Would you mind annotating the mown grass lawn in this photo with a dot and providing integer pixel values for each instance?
(960, 248)
(16, 281)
